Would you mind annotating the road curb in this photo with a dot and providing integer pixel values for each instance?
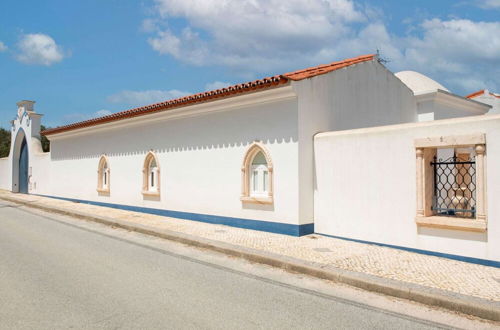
(433, 297)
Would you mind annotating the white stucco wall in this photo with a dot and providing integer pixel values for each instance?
(200, 158)
(366, 186)
(362, 95)
(5, 176)
(41, 169)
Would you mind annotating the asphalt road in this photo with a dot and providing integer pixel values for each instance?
(56, 275)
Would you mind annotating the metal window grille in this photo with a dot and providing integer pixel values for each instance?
(454, 187)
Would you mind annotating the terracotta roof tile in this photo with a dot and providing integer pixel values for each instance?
(481, 92)
(264, 83)
(325, 68)
(470, 96)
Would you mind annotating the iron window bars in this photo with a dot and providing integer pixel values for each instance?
(454, 187)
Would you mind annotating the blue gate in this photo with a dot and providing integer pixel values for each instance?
(23, 168)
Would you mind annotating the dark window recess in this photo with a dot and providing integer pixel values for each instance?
(454, 187)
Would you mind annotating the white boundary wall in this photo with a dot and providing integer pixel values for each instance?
(4, 173)
(365, 187)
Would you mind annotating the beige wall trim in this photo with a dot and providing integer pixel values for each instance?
(452, 223)
(451, 141)
(420, 181)
(480, 150)
(425, 177)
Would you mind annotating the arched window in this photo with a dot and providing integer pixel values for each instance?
(103, 175)
(257, 175)
(151, 175)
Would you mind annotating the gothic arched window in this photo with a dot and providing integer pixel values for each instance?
(257, 175)
(103, 175)
(151, 175)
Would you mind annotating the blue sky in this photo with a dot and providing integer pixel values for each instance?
(81, 59)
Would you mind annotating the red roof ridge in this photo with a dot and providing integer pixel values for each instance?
(325, 68)
(247, 87)
(482, 91)
(475, 94)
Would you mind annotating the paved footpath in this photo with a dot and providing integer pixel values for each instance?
(428, 271)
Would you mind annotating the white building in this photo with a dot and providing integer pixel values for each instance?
(250, 156)
(487, 97)
(434, 101)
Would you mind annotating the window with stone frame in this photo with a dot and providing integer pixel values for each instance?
(103, 176)
(151, 175)
(451, 191)
(257, 175)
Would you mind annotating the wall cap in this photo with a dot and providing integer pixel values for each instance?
(451, 141)
(437, 124)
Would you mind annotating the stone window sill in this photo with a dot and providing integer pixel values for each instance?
(151, 193)
(257, 200)
(452, 223)
(102, 191)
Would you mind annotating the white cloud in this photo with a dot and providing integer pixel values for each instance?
(278, 11)
(166, 43)
(488, 4)
(149, 25)
(216, 85)
(139, 98)
(251, 37)
(458, 40)
(3, 47)
(372, 37)
(39, 49)
(464, 53)
(252, 32)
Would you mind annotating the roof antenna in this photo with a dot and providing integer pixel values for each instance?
(381, 59)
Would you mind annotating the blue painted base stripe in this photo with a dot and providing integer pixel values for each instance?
(484, 262)
(260, 225)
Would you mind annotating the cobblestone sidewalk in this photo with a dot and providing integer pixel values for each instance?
(455, 276)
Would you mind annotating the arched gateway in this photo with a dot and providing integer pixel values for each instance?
(25, 135)
(20, 163)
